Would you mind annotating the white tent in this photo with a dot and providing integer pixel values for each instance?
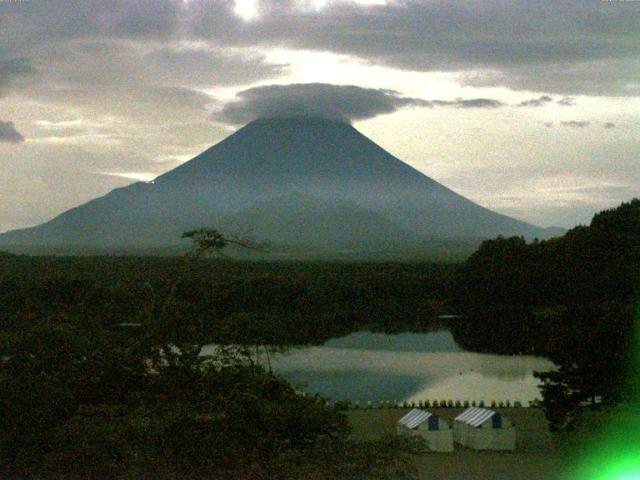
(436, 432)
(483, 429)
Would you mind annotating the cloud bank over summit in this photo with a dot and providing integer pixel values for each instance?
(347, 103)
(334, 102)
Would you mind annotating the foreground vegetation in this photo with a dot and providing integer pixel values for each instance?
(78, 403)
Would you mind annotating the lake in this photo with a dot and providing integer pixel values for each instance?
(368, 366)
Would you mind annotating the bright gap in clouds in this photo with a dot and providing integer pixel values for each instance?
(320, 4)
(249, 9)
(246, 9)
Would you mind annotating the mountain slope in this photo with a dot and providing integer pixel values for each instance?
(319, 224)
(340, 177)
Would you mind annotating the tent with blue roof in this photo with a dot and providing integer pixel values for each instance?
(435, 431)
(484, 429)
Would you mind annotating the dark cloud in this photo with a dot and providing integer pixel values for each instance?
(341, 102)
(544, 45)
(465, 103)
(576, 123)
(148, 80)
(536, 102)
(478, 103)
(9, 134)
(32, 22)
(600, 77)
(117, 78)
(559, 46)
(179, 64)
(13, 68)
(10, 70)
(435, 35)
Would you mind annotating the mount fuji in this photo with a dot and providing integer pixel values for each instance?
(312, 186)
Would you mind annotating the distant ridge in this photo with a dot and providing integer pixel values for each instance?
(306, 183)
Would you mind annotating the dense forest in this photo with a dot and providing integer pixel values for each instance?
(571, 299)
(242, 302)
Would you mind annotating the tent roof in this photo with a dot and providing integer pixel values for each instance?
(415, 418)
(475, 416)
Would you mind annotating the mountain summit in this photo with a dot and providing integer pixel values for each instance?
(307, 184)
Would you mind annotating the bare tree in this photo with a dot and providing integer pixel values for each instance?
(206, 243)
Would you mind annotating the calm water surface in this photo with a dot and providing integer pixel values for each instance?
(367, 366)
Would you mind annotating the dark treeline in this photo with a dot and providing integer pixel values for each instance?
(541, 294)
(592, 263)
(569, 298)
(236, 301)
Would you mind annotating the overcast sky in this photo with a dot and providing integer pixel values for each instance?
(531, 108)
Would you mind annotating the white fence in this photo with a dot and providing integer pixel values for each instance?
(385, 404)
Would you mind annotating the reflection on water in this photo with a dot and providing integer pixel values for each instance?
(427, 366)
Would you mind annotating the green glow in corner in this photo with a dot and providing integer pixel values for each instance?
(613, 452)
(628, 469)
(632, 476)
(619, 460)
